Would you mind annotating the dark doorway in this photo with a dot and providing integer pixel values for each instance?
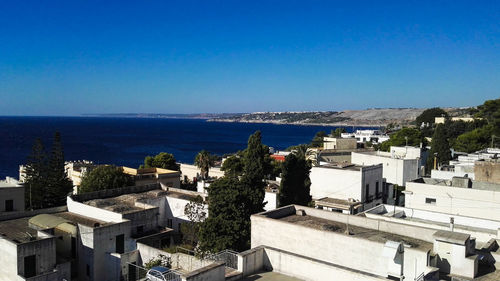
(120, 244)
(29, 266)
(9, 205)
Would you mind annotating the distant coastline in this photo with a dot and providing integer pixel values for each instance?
(372, 117)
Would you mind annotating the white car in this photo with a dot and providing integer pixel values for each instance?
(161, 273)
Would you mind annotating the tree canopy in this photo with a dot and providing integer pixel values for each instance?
(162, 160)
(428, 116)
(228, 226)
(233, 165)
(295, 182)
(105, 177)
(337, 133)
(412, 136)
(46, 179)
(204, 160)
(317, 140)
(233, 198)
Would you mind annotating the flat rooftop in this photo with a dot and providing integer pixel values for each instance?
(86, 221)
(450, 183)
(17, 231)
(354, 231)
(125, 203)
(269, 276)
(341, 166)
(336, 203)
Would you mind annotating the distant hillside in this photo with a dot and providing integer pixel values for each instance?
(367, 117)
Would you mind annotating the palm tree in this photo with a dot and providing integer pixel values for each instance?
(204, 160)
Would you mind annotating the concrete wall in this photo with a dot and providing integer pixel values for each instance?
(174, 210)
(96, 245)
(453, 200)
(346, 183)
(339, 143)
(191, 171)
(45, 251)
(8, 260)
(212, 272)
(147, 218)
(92, 212)
(272, 200)
(335, 183)
(487, 171)
(482, 229)
(23, 214)
(16, 194)
(395, 171)
(310, 269)
(448, 175)
(361, 254)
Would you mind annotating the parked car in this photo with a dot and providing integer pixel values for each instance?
(161, 273)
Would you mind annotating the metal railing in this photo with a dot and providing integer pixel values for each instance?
(420, 277)
(139, 273)
(229, 257)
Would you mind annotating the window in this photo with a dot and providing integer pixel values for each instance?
(367, 193)
(120, 243)
(88, 270)
(30, 266)
(431, 201)
(140, 229)
(377, 190)
(9, 205)
(73, 247)
(169, 223)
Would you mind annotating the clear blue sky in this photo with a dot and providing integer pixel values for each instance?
(74, 57)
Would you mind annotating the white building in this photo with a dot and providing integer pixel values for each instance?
(11, 195)
(350, 187)
(464, 164)
(362, 136)
(401, 165)
(460, 196)
(191, 172)
(299, 241)
(482, 229)
(339, 143)
(28, 254)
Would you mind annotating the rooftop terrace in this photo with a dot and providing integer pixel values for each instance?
(125, 203)
(354, 231)
(17, 231)
(86, 221)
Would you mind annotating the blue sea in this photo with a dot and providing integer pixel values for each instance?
(126, 141)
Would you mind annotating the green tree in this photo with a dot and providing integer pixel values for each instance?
(228, 226)
(254, 171)
(105, 177)
(428, 116)
(233, 198)
(337, 133)
(196, 213)
(410, 136)
(160, 260)
(317, 141)
(440, 145)
(295, 182)
(58, 183)
(36, 176)
(233, 165)
(474, 140)
(204, 160)
(162, 160)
